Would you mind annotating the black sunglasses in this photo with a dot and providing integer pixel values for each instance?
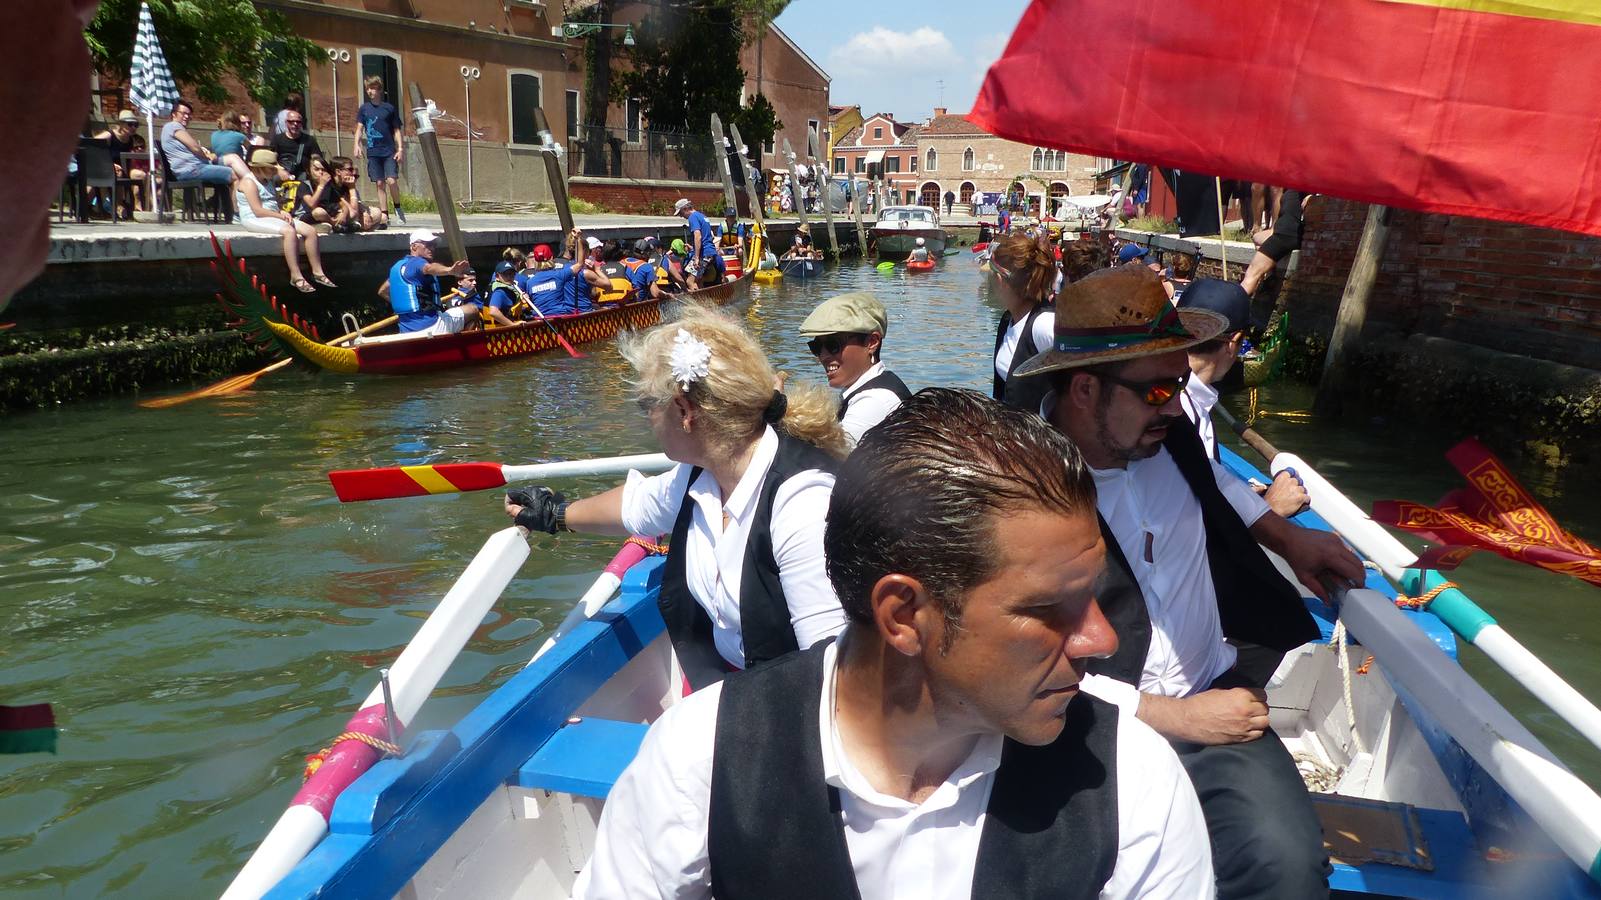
(1154, 393)
(834, 343)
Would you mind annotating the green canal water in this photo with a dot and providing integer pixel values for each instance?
(182, 585)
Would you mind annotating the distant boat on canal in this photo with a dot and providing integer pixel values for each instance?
(898, 228)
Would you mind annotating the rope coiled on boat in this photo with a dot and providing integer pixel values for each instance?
(315, 760)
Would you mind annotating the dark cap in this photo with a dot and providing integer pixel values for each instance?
(505, 267)
(730, 213)
(1225, 298)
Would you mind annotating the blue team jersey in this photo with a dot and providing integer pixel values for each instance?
(642, 278)
(551, 290)
(503, 298)
(412, 295)
(708, 239)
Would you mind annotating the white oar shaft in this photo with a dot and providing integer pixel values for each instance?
(412, 678)
(1394, 559)
(1561, 804)
(599, 593)
(611, 465)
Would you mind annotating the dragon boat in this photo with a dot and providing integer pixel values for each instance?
(270, 325)
(1426, 786)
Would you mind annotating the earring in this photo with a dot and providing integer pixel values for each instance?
(685, 424)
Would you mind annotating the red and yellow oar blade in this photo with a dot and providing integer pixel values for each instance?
(415, 481)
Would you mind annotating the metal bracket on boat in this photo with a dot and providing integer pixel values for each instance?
(389, 708)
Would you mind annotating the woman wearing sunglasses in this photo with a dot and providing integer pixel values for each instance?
(745, 580)
(1025, 271)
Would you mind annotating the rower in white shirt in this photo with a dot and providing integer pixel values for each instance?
(1210, 362)
(1185, 569)
(846, 334)
(745, 580)
(940, 748)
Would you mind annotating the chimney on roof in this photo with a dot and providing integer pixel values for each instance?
(939, 111)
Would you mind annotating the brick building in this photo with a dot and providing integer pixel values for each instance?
(514, 65)
(960, 157)
(890, 144)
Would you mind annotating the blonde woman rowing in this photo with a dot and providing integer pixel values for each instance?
(745, 580)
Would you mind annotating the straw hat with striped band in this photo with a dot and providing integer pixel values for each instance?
(1117, 314)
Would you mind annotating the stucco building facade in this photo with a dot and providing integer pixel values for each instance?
(959, 157)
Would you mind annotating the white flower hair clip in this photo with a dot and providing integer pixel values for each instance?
(690, 360)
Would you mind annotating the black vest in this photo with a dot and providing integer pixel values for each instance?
(1022, 393)
(763, 609)
(1255, 603)
(886, 380)
(774, 829)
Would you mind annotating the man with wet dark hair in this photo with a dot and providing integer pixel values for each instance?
(940, 748)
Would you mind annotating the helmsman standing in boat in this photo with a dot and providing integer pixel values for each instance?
(939, 749)
(745, 579)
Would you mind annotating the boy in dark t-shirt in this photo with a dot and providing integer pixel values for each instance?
(378, 137)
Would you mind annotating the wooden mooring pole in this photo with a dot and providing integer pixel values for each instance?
(429, 142)
(1353, 310)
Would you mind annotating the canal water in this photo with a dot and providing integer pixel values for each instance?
(182, 585)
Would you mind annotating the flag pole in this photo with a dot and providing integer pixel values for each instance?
(150, 171)
(1222, 245)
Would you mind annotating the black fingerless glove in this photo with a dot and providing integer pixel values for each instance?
(542, 509)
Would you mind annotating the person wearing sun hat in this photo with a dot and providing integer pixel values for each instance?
(846, 335)
(1186, 571)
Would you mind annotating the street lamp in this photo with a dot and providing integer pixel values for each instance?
(336, 55)
(585, 29)
(469, 74)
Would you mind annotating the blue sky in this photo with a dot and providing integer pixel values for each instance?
(890, 56)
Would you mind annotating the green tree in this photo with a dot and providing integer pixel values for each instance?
(206, 41)
(758, 121)
(686, 67)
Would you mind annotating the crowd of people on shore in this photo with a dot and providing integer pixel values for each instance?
(1014, 645)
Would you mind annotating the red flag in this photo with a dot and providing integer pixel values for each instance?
(1425, 104)
(1493, 513)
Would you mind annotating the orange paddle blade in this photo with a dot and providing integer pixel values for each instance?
(415, 481)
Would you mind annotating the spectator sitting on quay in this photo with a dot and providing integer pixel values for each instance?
(187, 159)
(295, 148)
(359, 216)
(294, 101)
(1278, 242)
(321, 200)
(230, 145)
(123, 137)
(259, 212)
(253, 138)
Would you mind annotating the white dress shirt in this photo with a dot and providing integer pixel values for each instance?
(864, 409)
(1157, 522)
(1198, 399)
(651, 840)
(1044, 339)
(714, 553)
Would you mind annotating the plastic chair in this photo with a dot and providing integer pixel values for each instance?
(194, 195)
(96, 171)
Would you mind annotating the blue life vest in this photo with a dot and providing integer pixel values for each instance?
(412, 295)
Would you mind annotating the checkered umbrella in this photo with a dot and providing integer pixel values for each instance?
(150, 86)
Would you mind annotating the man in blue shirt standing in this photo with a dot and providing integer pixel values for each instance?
(705, 266)
(413, 286)
(378, 137)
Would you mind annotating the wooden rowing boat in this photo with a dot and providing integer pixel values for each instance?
(1423, 782)
(408, 354)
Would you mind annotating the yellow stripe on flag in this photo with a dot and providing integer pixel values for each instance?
(429, 479)
(1576, 12)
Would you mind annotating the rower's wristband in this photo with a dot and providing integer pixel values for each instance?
(561, 519)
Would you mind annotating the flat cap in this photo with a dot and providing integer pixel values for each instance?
(858, 312)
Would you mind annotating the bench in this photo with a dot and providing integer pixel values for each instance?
(584, 757)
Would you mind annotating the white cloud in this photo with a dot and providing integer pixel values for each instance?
(881, 50)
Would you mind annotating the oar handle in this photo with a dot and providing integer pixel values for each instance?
(1248, 434)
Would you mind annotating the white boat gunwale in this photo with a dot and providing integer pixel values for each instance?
(448, 774)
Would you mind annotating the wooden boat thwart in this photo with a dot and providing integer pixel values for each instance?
(1426, 786)
(406, 354)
